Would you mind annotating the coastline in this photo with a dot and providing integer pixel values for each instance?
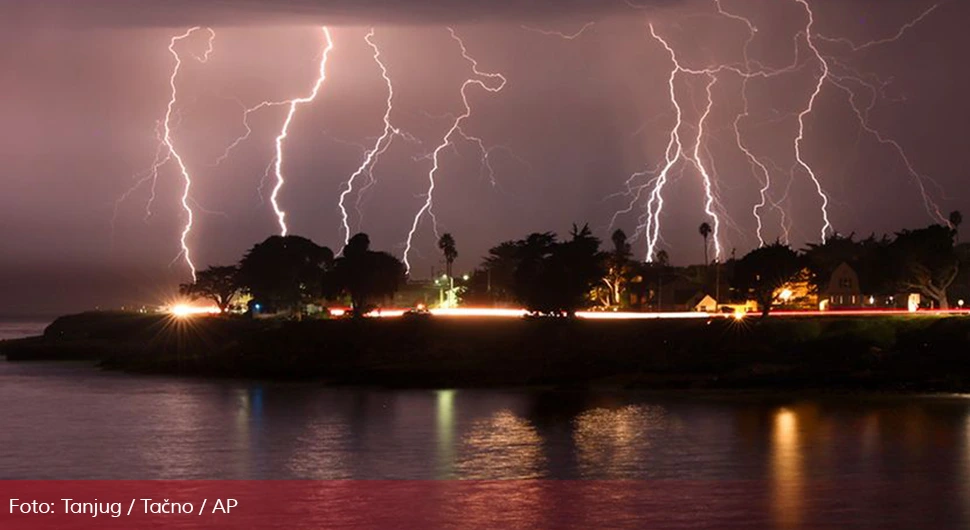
(830, 354)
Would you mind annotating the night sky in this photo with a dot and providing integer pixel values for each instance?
(82, 90)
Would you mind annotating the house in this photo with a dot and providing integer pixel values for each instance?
(843, 290)
(707, 305)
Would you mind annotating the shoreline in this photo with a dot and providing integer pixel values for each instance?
(815, 354)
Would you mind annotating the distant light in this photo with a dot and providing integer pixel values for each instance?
(465, 277)
(786, 295)
(258, 307)
(444, 276)
(960, 303)
(739, 314)
(872, 300)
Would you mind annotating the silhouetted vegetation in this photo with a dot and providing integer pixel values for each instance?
(284, 273)
(363, 274)
(763, 272)
(552, 276)
(217, 284)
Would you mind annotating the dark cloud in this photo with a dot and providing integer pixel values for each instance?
(151, 13)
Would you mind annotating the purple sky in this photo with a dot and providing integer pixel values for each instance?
(81, 91)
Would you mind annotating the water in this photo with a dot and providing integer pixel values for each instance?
(838, 460)
(17, 329)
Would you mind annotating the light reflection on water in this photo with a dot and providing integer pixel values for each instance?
(796, 461)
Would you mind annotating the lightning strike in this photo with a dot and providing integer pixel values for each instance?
(705, 176)
(673, 153)
(480, 81)
(873, 43)
(560, 34)
(284, 133)
(166, 152)
(827, 225)
(381, 145)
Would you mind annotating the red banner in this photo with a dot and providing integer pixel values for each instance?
(373, 504)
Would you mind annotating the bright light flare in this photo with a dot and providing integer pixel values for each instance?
(188, 311)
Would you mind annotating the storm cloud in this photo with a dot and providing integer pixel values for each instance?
(151, 13)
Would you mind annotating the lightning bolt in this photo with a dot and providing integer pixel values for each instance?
(294, 105)
(479, 80)
(381, 145)
(899, 34)
(842, 81)
(673, 153)
(705, 175)
(560, 34)
(166, 151)
(759, 167)
(827, 225)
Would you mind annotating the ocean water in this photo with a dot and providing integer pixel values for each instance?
(20, 328)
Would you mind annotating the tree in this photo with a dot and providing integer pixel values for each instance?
(705, 231)
(926, 261)
(365, 275)
(956, 219)
(555, 277)
(447, 246)
(219, 284)
(283, 273)
(763, 272)
(618, 270)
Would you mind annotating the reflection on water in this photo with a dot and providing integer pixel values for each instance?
(617, 441)
(796, 463)
(787, 475)
(502, 446)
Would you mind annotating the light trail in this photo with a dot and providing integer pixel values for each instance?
(381, 145)
(506, 313)
(284, 133)
(479, 80)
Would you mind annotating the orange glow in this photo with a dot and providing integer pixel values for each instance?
(186, 311)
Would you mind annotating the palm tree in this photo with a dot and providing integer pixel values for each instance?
(447, 246)
(705, 231)
(956, 219)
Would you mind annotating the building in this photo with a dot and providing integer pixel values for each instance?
(843, 290)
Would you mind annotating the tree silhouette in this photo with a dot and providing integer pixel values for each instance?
(762, 272)
(705, 231)
(283, 273)
(925, 260)
(956, 219)
(447, 246)
(555, 278)
(219, 284)
(365, 275)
